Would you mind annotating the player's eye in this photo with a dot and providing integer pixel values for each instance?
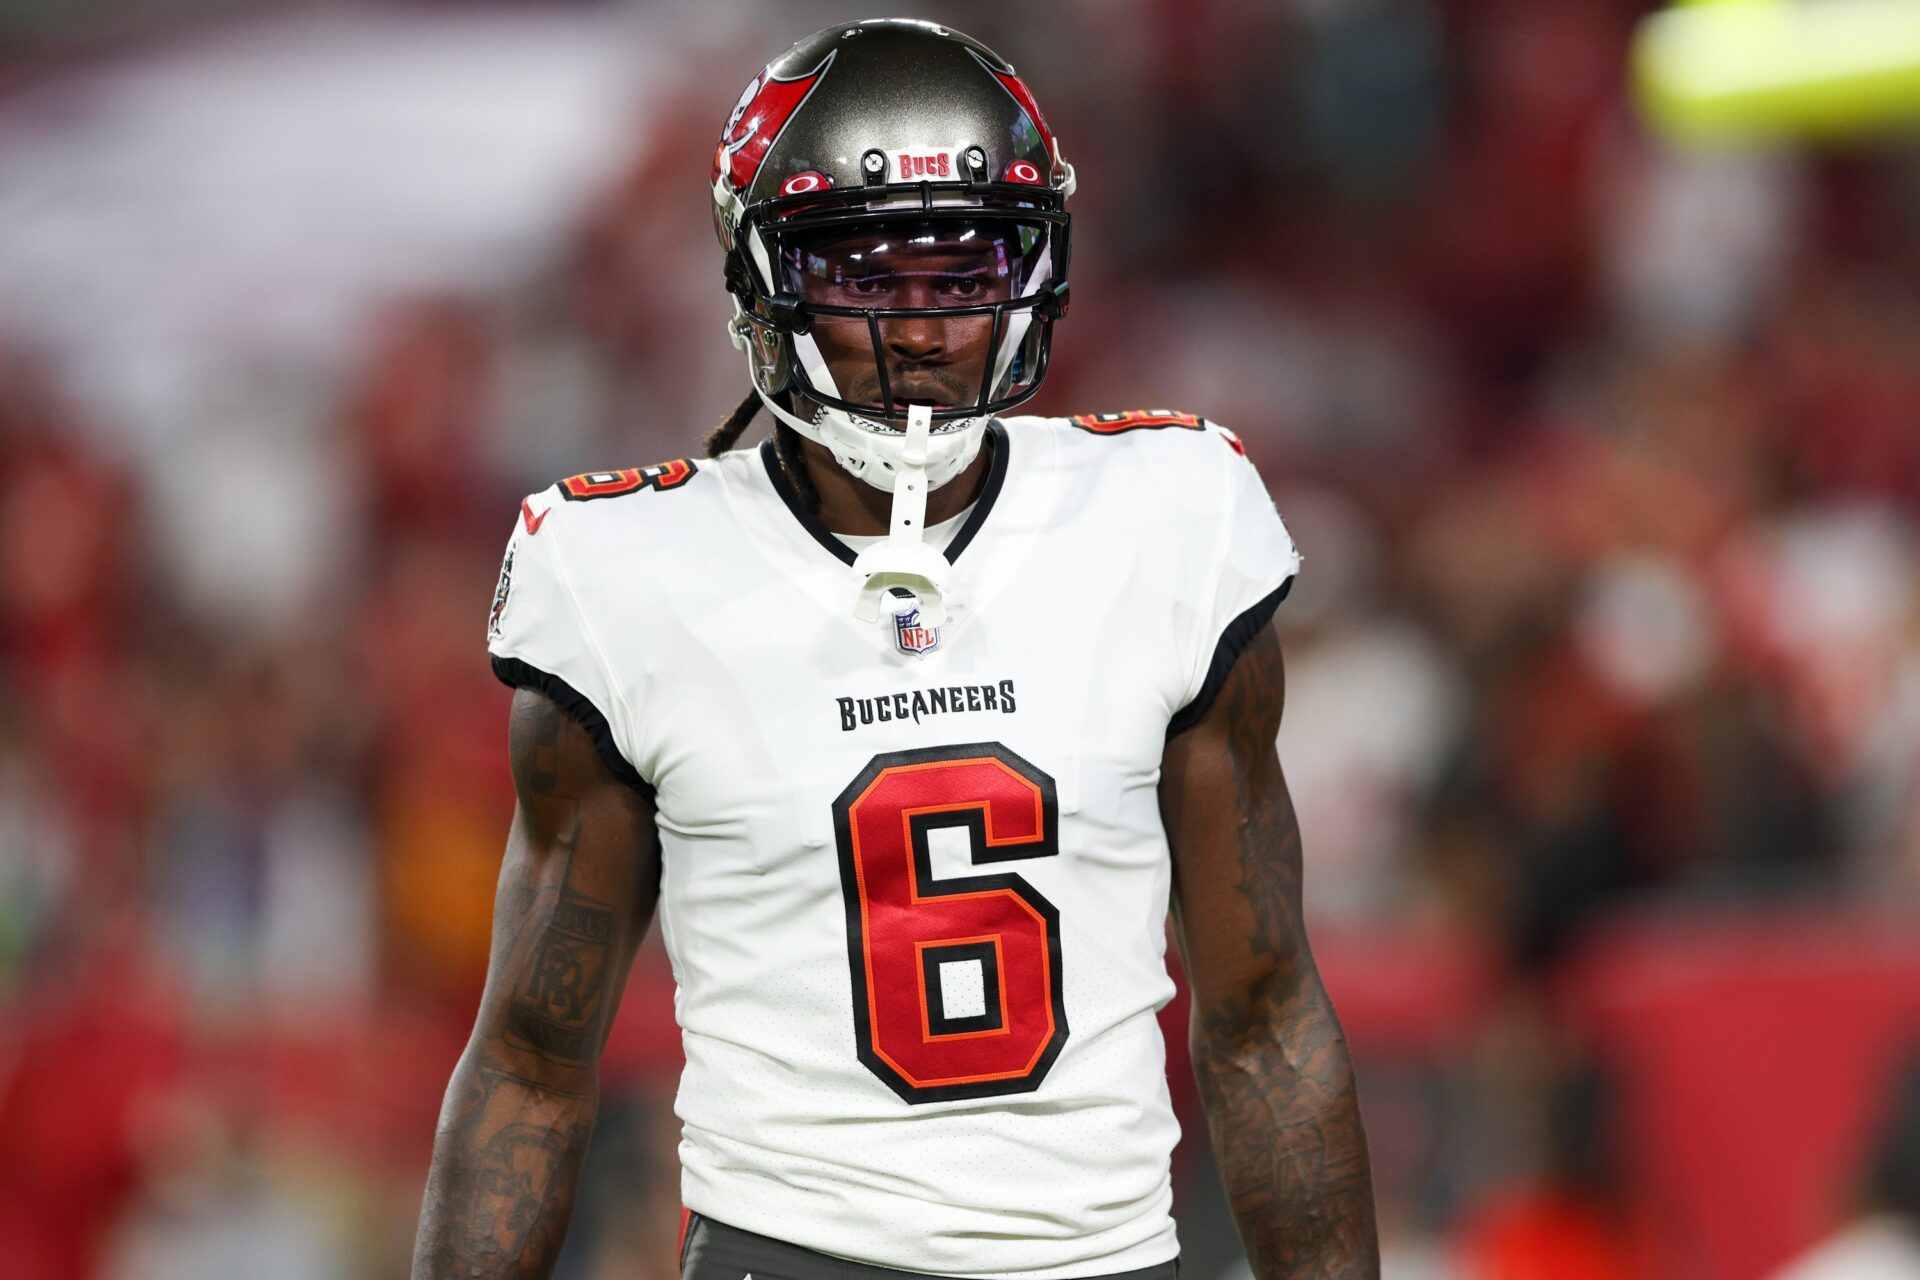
(964, 287)
(865, 286)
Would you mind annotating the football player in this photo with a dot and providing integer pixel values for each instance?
(913, 721)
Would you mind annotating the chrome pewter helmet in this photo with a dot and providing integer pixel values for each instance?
(875, 178)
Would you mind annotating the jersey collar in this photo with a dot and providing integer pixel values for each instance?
(996, 477)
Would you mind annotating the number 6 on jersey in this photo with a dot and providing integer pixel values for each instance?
(916, 944)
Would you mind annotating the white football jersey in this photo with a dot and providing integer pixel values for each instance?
(914, 882)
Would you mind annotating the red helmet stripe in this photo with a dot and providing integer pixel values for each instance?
(1018, 88)
(757, 122)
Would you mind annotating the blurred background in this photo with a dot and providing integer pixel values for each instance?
(1604, 717)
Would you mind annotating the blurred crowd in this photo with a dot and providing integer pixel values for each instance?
(1603, 458)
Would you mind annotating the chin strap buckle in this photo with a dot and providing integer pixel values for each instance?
(739, 279)
(787, 313)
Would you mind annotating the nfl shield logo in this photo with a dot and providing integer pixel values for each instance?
(911, 636)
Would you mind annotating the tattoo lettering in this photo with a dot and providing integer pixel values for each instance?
(556, 1010)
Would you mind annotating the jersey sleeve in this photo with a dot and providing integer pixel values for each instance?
(1252, 567)
(539, 638)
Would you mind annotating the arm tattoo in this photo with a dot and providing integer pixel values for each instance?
(574, 894)
(500, 1194)
(556, 1009)
(1270, 1057)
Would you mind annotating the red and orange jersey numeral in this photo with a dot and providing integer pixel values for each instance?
(905, 929)
(1111, 424)
(611, 484)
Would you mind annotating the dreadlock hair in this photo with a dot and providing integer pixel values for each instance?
(728, 433)
(786, 444)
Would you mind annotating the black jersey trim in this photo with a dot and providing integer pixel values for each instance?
(577, 707)
(808, 521)
(1233, 642)
(989, 494)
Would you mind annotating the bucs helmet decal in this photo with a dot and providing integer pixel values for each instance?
(757, 120)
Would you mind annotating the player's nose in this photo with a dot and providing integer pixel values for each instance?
(915, 338)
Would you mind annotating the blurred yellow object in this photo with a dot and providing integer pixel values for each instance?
(1711, 70)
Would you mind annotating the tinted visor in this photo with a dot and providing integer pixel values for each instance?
(933, 312)
(915, 265)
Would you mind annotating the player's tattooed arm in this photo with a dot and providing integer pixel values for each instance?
(1267, 1048)
(577, 890)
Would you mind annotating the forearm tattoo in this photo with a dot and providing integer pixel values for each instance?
(1272, 1064)
(520, 1109)
(506, 1159)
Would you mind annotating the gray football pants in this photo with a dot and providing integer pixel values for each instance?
(715, 1251)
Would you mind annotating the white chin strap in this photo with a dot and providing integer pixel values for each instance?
(910, 466)
(903, 559)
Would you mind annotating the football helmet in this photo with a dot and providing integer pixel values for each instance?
(892, 202)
